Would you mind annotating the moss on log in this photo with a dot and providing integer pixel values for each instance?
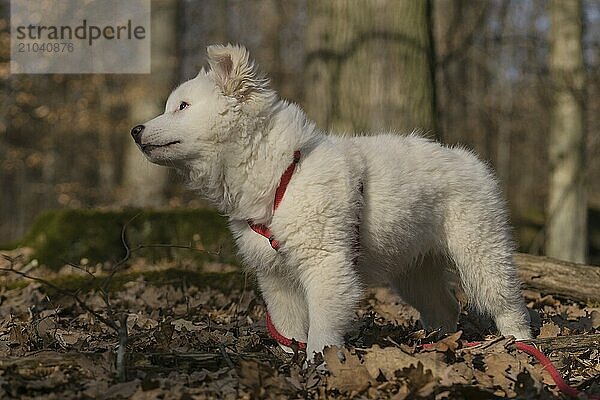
(68, 236)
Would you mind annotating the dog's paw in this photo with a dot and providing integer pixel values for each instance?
(317, 363)
(286, 349)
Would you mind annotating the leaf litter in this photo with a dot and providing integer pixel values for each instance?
(195, 341)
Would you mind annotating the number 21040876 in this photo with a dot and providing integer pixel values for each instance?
(46, 47)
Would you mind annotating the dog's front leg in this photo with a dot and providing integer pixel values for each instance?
(332, 292)
(286, 304)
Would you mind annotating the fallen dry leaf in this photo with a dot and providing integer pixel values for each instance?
(390, 359)
(549, 329)
(503, 368)
(448, 343)
(141, 321)
(185, 338)
(348, 373)
(595, 319)
(420, 380)
(122, 390)
(574, 313)
(180, 324)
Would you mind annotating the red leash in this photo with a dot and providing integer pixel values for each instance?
(548, 366)
(524, 347)
(279, 337)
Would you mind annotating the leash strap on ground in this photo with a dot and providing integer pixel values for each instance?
(548, 366)
(524, 347)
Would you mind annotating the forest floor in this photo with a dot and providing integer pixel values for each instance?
(202, 335)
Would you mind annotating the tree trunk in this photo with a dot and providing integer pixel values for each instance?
(505, 100)
(144, 183)
(206, 22)
(369, 66)
(566, 214)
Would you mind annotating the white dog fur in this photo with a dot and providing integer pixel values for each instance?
(422, 209)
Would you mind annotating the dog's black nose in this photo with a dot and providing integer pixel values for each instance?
(136, 132)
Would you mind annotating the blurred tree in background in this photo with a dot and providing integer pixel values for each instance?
(476, 74)
(567, 206)
(369, 66)
(144, 183)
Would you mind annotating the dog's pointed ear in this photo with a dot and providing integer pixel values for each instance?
(235, 73)
(220, 59)
(202, 72)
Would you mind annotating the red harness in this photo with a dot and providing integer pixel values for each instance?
(262, 229)
(265, 231)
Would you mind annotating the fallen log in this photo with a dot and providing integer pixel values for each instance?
(567, 343)
(575, 281)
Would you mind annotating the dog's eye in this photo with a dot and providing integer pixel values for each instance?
(183, 105)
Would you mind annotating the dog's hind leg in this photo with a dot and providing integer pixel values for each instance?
(427, 287)
(286, 304)
(482, 252)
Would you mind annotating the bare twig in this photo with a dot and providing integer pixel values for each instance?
(129, 251)
(11, 260)
(81, 268)
(226, 356)
(110, 323)
(119, 327)
(123, 338)
(117, 265)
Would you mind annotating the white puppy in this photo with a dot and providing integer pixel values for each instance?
(399, 210)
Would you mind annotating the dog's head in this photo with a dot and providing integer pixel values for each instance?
(207, 111)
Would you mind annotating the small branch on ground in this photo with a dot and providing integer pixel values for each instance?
(123, 339)
(102, 286)
(73, 295)
(226, 356)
